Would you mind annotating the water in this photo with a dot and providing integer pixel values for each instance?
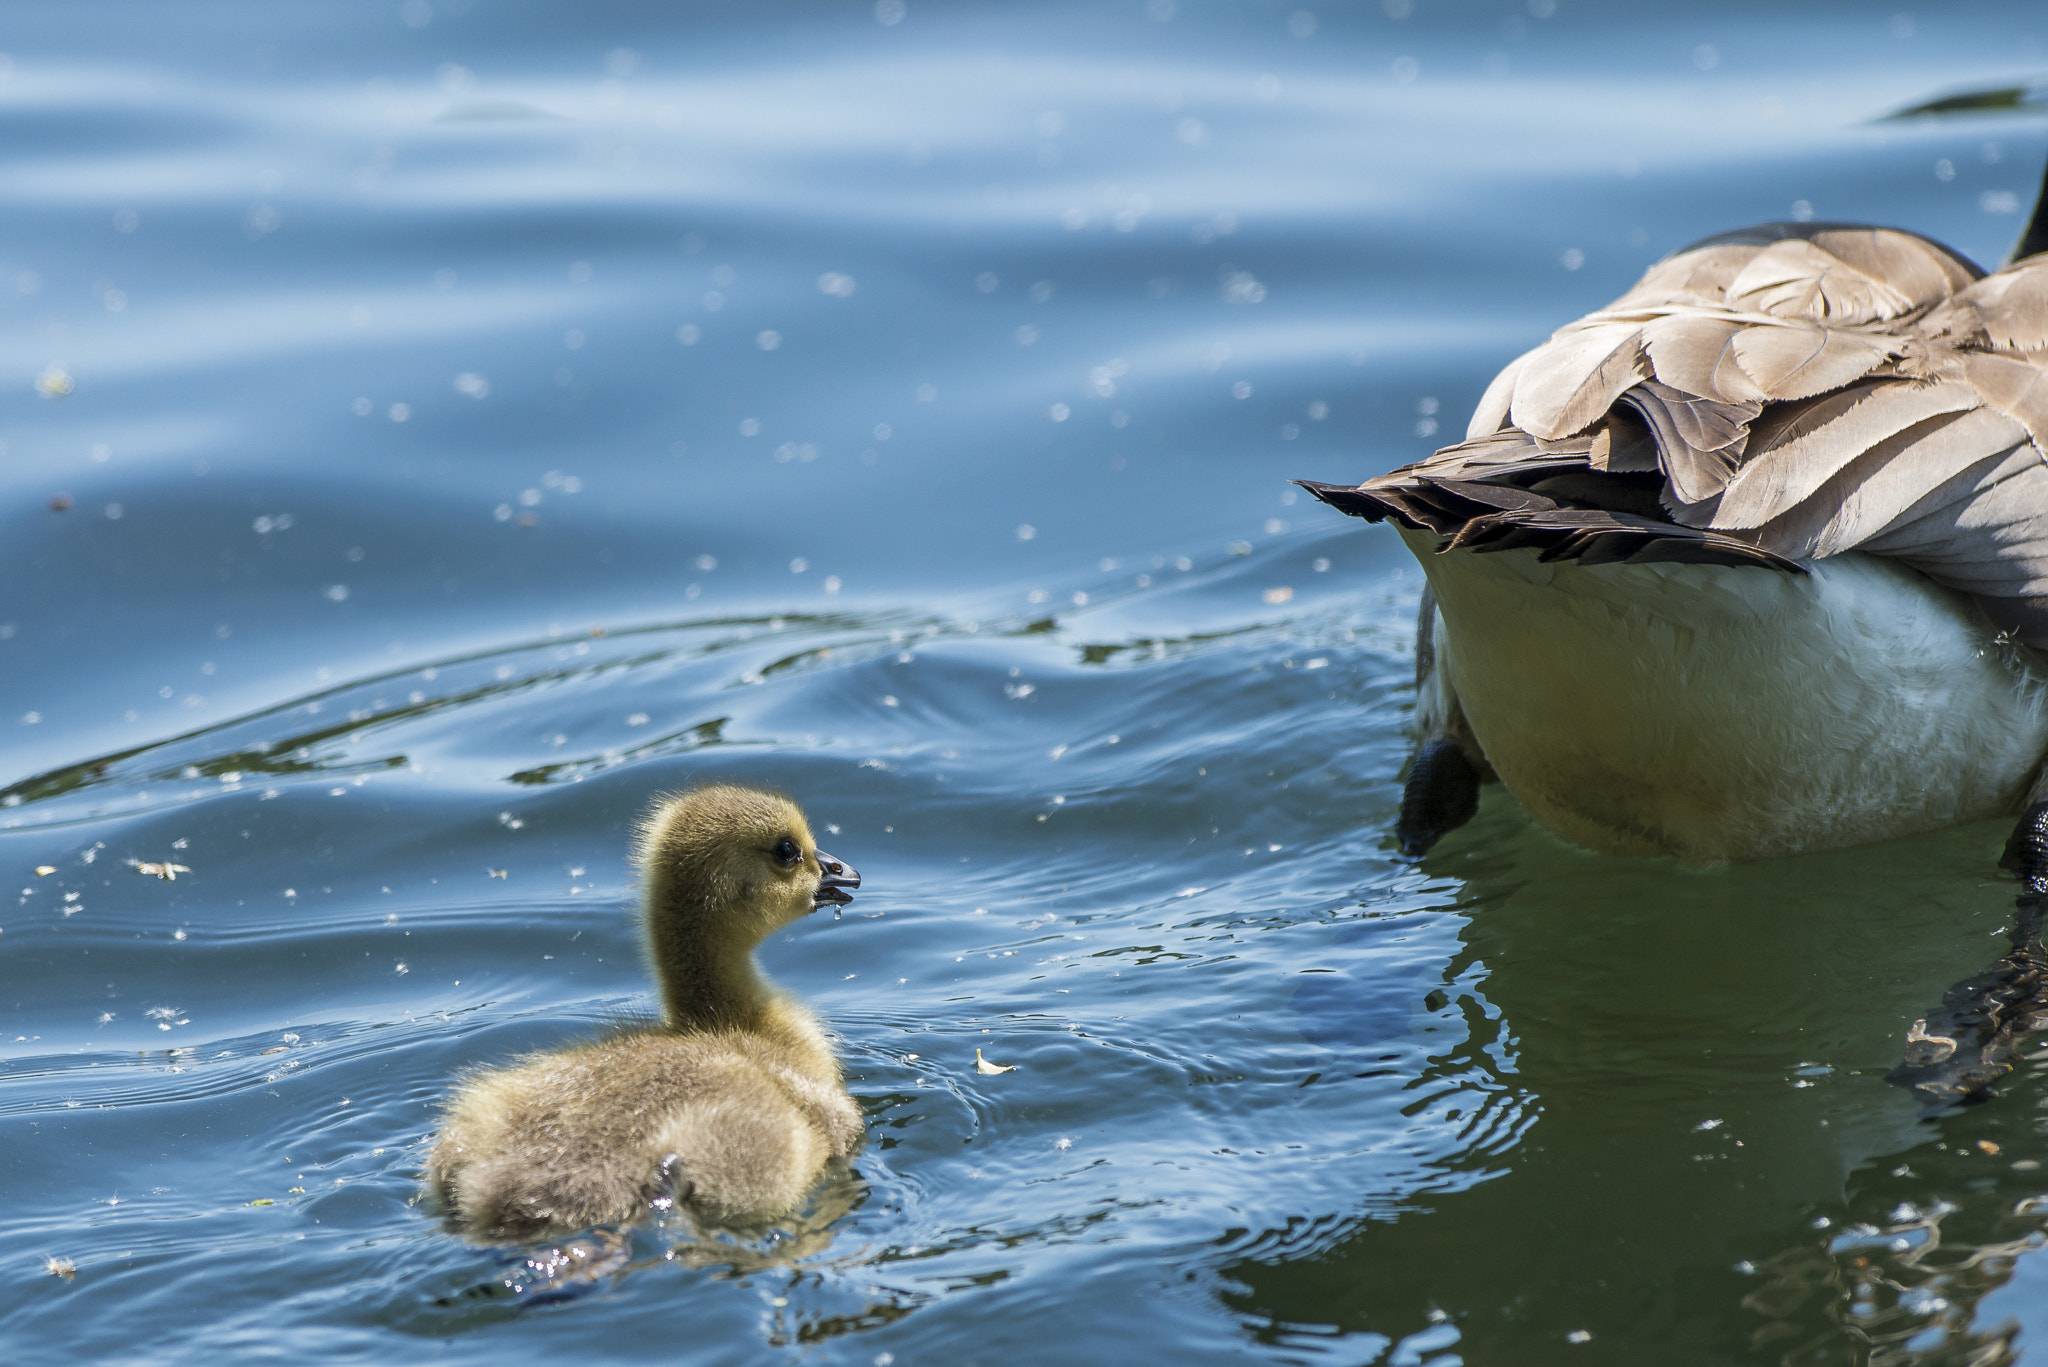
(484, 416)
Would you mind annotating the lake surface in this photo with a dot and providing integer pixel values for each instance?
(432, 429)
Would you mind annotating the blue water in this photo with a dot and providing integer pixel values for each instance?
(431, 430)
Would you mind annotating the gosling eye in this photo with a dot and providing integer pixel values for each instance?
(786, 851)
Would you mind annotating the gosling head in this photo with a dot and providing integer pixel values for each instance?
(727, 866)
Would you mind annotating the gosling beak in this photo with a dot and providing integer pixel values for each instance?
(835, 883)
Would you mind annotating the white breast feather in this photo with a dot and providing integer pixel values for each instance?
(1721, 713)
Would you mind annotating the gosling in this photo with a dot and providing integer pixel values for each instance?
(730, 1107)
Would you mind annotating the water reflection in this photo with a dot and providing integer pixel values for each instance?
(1907, 1286)
(1706, 1052)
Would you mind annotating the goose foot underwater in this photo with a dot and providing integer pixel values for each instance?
(1441, 794)
(1442, 791)
(1754, 561)
(1956, 1052)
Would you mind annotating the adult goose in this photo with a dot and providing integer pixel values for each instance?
(1751, 561)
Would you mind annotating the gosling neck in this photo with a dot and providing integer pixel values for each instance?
(708, 975)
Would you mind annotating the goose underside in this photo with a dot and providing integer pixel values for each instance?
(1720, 712)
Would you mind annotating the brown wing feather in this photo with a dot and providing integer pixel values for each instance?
(1691, 352)
(1798, 279)
(1697, 277)
(2007, 311)
(1561, 521)
(1868, 495)
(1565, 385)
(2014, 386)
(1984, 532)
(1910, 266)
(1698, 440)
(1895, 407)
(1800, 362)
(1492, 413)
(1783, 470)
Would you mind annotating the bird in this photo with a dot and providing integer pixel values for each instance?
(1754, 561)
(729, 1106)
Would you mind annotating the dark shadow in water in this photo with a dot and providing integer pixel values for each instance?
(1706, 1050)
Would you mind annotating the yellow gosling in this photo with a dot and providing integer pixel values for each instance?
(731, 1106)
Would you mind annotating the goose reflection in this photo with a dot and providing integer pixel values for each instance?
(1702, 1125)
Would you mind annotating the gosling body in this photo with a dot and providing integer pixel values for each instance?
(731, 1106)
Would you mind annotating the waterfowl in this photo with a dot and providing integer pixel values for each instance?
(1751, 561)
(730, 1105)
